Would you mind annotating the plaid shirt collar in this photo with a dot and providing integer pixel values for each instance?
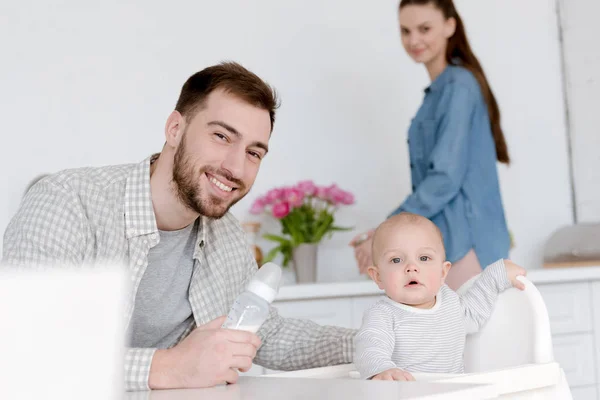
(140, 219)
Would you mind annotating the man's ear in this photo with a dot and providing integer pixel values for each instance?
(174, 129)
(445, 268)
(373, 272)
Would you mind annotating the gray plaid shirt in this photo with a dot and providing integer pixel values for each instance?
(105, 215)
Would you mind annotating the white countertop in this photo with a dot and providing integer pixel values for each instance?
(365, 287)
(261, 388)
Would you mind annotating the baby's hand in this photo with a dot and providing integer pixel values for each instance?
(394, 374)
(513, 270)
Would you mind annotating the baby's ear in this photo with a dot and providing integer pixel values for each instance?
(445, 268)
(373, 272)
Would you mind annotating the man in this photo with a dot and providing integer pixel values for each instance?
(167, 218)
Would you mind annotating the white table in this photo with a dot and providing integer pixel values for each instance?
(257, 388)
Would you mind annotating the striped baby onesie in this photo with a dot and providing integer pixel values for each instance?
(395, 335)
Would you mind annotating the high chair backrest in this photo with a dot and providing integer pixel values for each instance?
(517, 333)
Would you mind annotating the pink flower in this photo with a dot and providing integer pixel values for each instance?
(281, 209)
(322, 193)
(273, 196)
(294, 197)
(335, 194)
(347, 198)
(258, 206)
(307, 187)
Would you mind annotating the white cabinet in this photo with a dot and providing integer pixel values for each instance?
(569, 307)
(596, 325)
(584, 393)
(574, 337)
(325, 312)
(573, 353)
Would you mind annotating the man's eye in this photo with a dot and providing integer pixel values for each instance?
(220, 136)
(396, 260)
(254, 154)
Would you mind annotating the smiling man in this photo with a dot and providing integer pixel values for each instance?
(167, 219)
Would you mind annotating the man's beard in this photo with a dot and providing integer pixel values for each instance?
(187, 186)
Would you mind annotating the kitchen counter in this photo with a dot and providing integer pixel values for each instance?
(365, 287)
(262, 388)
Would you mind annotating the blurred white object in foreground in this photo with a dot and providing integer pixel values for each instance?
(62, 333)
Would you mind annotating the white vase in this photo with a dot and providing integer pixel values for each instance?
(288, 275)
(304, 257)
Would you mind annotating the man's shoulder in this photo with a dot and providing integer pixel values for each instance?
(99, 179)
(88, 191)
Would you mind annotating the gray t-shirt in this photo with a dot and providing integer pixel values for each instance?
(162, 309)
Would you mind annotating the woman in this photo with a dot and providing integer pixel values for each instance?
(454, 142)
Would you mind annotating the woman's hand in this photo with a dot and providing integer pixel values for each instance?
(362, 250)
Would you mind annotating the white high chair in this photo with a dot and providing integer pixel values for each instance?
(518, 332)
(513, 351)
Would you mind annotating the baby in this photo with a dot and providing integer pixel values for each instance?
(421, 325)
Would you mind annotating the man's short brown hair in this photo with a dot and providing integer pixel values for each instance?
(232, 78)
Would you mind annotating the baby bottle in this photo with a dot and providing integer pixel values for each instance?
(251, 308)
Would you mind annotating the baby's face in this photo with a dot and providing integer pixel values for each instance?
(410, 264)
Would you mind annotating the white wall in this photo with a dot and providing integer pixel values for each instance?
(92, 84)
(582, 71)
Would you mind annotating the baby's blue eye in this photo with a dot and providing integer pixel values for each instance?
(424, 258)
(396, 260)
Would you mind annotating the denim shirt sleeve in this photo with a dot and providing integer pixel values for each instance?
(447, 164)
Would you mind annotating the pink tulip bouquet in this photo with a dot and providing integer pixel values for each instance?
(305, 212)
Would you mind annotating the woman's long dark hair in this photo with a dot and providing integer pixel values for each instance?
(459, 48)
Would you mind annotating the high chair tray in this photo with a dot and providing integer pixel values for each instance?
(520, 382)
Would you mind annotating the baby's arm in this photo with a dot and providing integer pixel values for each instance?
(374, 342)
(478, 302)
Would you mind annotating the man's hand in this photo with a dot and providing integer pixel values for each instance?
(209, 356)
(394, 374)
(513, 270)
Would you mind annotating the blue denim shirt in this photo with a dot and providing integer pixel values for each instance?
(453, 168)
